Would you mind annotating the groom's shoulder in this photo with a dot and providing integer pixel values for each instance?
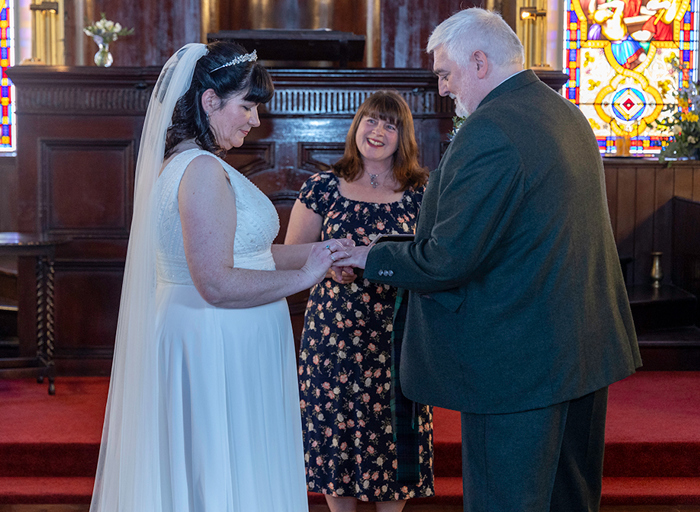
(482, 129)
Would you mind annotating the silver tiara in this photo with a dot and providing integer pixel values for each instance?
(246, 57)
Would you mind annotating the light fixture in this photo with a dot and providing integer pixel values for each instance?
(531, 13)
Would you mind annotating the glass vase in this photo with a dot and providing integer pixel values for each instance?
(103, 58)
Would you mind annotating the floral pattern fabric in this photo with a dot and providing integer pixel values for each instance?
(346, 360)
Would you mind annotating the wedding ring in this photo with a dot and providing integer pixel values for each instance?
(332, 257)
(328, 247)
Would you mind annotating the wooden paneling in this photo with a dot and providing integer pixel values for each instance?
(639, 198)
(77, 143)
(87, 187)
(160, 28)
(8, 193)
(686, 245)
(319, 156)
(87, 341)
(406, 26)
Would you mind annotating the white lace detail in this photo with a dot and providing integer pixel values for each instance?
(257, 222)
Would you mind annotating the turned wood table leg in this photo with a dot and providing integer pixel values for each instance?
(45, 320)
(49, 346)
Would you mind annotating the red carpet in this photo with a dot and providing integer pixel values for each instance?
(49, 445)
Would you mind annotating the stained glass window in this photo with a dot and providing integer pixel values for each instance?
(618, 56)
(7, 49)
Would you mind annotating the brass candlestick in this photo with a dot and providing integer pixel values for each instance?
(656, 272)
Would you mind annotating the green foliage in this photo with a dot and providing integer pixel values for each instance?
(457, 123)
(683, 122)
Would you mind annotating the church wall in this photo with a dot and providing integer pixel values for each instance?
(84, 145)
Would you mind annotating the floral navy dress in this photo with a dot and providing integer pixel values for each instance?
(349, 390)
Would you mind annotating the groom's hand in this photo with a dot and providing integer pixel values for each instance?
(356, 257)
(342, 275)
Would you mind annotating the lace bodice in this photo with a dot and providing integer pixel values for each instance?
(257, 222)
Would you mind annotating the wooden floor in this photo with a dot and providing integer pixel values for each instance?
(362, 508)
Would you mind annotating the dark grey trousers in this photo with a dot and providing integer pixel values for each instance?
(544, 460)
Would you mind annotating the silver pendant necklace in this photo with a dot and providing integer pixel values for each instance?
(373, 178)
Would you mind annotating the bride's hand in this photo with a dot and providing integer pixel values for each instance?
(322, 256)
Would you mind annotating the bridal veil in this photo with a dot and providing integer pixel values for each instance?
(128, 474)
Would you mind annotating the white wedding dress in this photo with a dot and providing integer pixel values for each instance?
(229, 418)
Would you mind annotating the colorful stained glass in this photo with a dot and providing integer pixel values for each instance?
(618, 56)
(7, 45)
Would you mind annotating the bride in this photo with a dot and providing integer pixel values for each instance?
(203, 409)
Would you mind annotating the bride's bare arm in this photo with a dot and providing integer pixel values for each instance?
(291, 256)
(208, 213)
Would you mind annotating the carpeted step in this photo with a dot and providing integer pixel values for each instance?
(48, 459)
(46, 491)
(648, 460)
(653, 431)
(447, 443)
(616, 491)
(651, 491)
(653, 428)
(51, 436)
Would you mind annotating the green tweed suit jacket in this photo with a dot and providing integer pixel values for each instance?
(517, 298)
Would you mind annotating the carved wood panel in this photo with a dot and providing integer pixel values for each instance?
(87, 187)
(8, 193)
(252, 157)
(320, 156)
(87, 298)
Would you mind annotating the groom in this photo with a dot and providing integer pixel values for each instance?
(518, 314)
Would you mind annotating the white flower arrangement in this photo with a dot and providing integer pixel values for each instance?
(105, 31)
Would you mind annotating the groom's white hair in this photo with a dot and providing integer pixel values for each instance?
(477, 29)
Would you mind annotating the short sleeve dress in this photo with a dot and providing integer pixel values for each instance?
(348, 388)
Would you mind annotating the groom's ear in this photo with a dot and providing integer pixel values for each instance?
(210, 101)
(482, 63)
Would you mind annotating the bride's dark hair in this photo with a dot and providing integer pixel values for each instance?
(189, 118)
